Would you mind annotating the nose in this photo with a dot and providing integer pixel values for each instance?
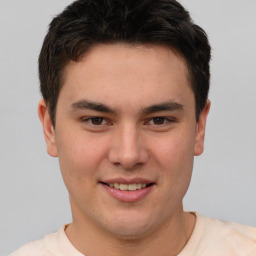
(128, 150)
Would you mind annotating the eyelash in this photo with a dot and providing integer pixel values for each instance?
(164, 119)
(96, 118)
(91, 120)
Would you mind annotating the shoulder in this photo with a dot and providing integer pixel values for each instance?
(226, 238)
(32, 248)
(227, 229)
(37, 248)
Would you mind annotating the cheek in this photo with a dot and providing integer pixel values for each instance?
(177, 170)
(175, 150)
(80, 149)
(79, 159)
(175, 157)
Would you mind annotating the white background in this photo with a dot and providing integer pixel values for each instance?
(33, 199)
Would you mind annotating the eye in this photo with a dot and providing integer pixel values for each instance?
(97, 121)
(159, 121)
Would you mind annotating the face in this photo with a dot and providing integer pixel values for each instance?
(126, 136)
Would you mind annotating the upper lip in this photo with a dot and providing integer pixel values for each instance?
(127, 181)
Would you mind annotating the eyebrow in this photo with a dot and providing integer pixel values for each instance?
(165, 106)
(99, 107)
(86, 104)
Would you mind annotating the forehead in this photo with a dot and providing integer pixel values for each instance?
(123, 71)
(141, 57)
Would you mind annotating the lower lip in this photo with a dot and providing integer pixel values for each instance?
(128, 196)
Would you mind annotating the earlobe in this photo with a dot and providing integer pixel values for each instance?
(48, 129)
(200, 133)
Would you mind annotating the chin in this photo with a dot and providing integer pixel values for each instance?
(130, 233)
(130, 226)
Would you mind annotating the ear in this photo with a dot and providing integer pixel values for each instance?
(49, 132)
(200, 133)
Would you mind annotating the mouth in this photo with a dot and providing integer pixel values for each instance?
(128, 187)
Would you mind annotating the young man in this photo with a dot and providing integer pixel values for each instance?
(124, 108)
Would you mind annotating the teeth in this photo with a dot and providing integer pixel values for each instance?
(123, 187)
(139, 186)
(132, 187)
(128, 187)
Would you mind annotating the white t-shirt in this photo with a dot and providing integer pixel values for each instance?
(210, 237)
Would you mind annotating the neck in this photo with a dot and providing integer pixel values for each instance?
(169, 239)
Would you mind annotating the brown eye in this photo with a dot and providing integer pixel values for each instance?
(159, 120)
(97, 120)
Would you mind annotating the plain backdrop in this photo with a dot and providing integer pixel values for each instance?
(33, 199)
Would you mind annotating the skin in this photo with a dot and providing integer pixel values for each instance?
(132, 139)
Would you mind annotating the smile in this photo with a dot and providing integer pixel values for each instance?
(128, 187)
(128, 191)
